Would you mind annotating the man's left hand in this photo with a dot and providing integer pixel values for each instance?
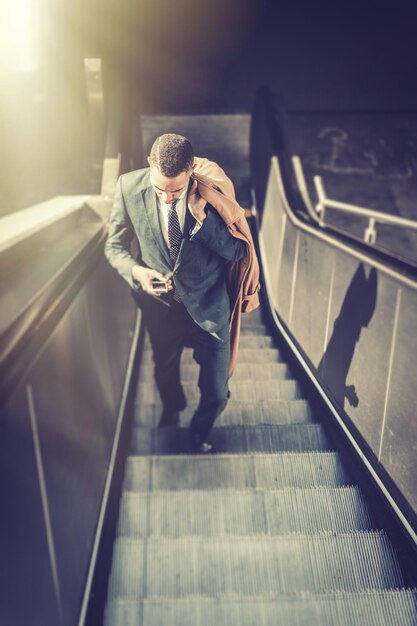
(196, 203)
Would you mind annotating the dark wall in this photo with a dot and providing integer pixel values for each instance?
(195, 55)
(333, 55)
(192, 56)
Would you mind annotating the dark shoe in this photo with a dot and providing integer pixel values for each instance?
(200, 446)
(169, 418)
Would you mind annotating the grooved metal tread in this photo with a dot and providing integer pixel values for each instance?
(171, 568)
(233, 439)
(243, 372)
(245, 355)
(238, 413)
(249, 327)
(245, 341)
(250, 512)
(363, 608)
(225, 471)
(254, 317)
(147, 392)
(252, 328)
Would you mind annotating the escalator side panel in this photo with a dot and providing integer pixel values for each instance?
(365, 319)
(27, 594)
(75, 388)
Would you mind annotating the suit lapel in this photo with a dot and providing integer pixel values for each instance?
(149, 201)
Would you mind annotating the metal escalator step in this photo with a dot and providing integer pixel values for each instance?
(244, 413)
(245, 341)
(364, 608)
(245, 355)
(297, 469)
(243, 372)
(252, 328)
(147, 392)
(267, 412)
(233, 439)
(248, 328)
(258, 355)
(245, 513)
(253, 566)
(254, 317)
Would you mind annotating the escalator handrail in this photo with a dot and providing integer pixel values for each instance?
(25, 337)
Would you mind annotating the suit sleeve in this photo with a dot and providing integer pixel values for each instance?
(215, 235)
(119, 240)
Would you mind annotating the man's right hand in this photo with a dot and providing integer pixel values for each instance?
(144, 276)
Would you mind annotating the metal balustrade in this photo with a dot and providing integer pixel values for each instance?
(318, 211)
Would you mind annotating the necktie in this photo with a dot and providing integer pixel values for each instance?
(174, 238)
(174, 233)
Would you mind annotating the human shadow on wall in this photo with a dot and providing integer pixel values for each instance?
(356, 312)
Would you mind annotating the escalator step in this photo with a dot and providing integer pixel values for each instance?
(248, 341)
(364, 608)
(233, 439)
(252, 328)
(173, 568)
(238, 413)
(147, 392)
(255, 512)
(245, 342)
(298, 469)
(247, 355)
(243, 372)
(267, 412)
(254, 317)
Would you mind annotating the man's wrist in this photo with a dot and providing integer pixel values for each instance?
(136, 271)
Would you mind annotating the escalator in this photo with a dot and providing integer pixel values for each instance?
(274, 527)
(306, 514)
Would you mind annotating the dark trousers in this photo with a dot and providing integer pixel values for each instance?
(169, 334)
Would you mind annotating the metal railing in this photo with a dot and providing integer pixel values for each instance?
(318, 211)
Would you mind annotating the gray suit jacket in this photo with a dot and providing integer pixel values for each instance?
(199, 273)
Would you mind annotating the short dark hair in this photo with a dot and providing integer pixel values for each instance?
(172, 154)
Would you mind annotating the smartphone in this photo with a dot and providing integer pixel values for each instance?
(160, 285)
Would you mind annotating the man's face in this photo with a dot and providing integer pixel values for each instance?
(169, 189)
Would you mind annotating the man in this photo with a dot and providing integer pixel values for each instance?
(186, 246)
